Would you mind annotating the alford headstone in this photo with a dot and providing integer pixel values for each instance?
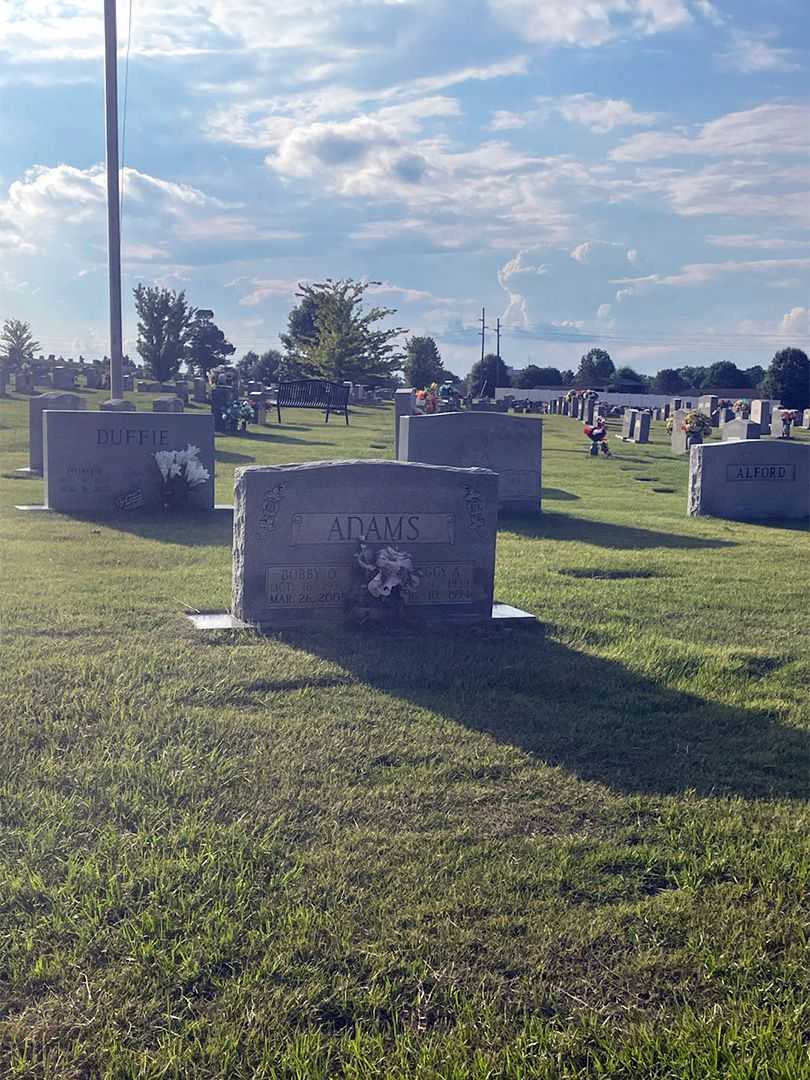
(754, 479)
(297, 532)
(508, 445)
(36, 406)
(104, 462)
(739, 429)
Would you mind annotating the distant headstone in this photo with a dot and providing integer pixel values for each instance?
(127, 382)
(641, 433)
(761, 414)
(806, 418)
(756, 479)
(677, 403)
(145, 387)
(590, 405)
(117, 405)
(739, 429)
(511, 446)
(667, 411)
(36, 406)
(725, 414)
(199, 391)
(24, 382)
(404, 405)
(93, 378)
(629, 421)
(63, 378)
(103, 463)
(297, 530)
(174, 405)
(681, 441)
(181, 390)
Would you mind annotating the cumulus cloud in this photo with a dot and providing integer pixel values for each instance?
(764, 130)
(796, 322)
(602, 115)
(590, 22)
(703, 273)
(751, 53)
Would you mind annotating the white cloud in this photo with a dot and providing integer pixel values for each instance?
(749, 240)
(602, 115)
(796, 321)
(763, 131)
(702, 273)
(604, 254)
(751, 53)
(590, 22)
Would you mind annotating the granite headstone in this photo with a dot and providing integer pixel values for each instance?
(508, 445)
(733, 430)
(103, 462)
(297, 530)
(36, 406)
(754, 479)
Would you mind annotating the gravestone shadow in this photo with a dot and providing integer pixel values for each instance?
(556, 526)
(203, 529)
(557, 494)
(591, 716)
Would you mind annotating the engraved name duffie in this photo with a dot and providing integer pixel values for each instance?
(131, 437)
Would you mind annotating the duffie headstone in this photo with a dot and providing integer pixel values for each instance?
(754, 479)
(297, 530)
(36, 406)
(104, 462)
(508, 445)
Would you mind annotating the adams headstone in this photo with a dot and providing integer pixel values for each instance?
(297, 530)
(104, 462)
(508, 445)
(754, 479)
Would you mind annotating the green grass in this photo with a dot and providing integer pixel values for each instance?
(578, 852)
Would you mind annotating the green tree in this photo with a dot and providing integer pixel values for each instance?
(268, 368)
(567, 377)
(487, 374)
(207, 345)
(532, 376)
(164, 329)
(423, 362)
(787, 380)
(595, 367)
(668, 381)
(724, 374)
(754, 376)
(693, 377)
(626, 377)
(330, 335)
(17, 348)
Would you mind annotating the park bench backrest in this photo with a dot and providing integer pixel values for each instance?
(313, 394)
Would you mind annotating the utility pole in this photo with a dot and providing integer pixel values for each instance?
(113, 198)
(498, 338)
(483, 321)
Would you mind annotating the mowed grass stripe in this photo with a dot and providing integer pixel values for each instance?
(569, 853)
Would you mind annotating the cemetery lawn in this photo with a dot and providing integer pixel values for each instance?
(571, 852)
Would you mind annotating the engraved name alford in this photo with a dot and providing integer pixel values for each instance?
(131, 437)
(760, 472)
(375, 528)
(288, 586)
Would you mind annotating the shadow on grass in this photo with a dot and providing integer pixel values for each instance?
(554, 526)
(279, 437)
(229, 456)
(588, 715)
(558, 494)
(192, 530)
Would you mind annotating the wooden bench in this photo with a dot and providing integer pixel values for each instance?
(313, 394)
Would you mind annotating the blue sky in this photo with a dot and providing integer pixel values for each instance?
(628, 173)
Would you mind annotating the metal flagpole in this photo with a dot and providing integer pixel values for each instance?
(113, 198)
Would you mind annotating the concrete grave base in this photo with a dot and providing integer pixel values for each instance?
(503, 615)
(219, 508)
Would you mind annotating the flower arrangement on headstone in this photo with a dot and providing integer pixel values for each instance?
(742, 408)
(386, 579)
(427, 399)
(181, 471)
(788, 417)
(237, 416)
(695, 425)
